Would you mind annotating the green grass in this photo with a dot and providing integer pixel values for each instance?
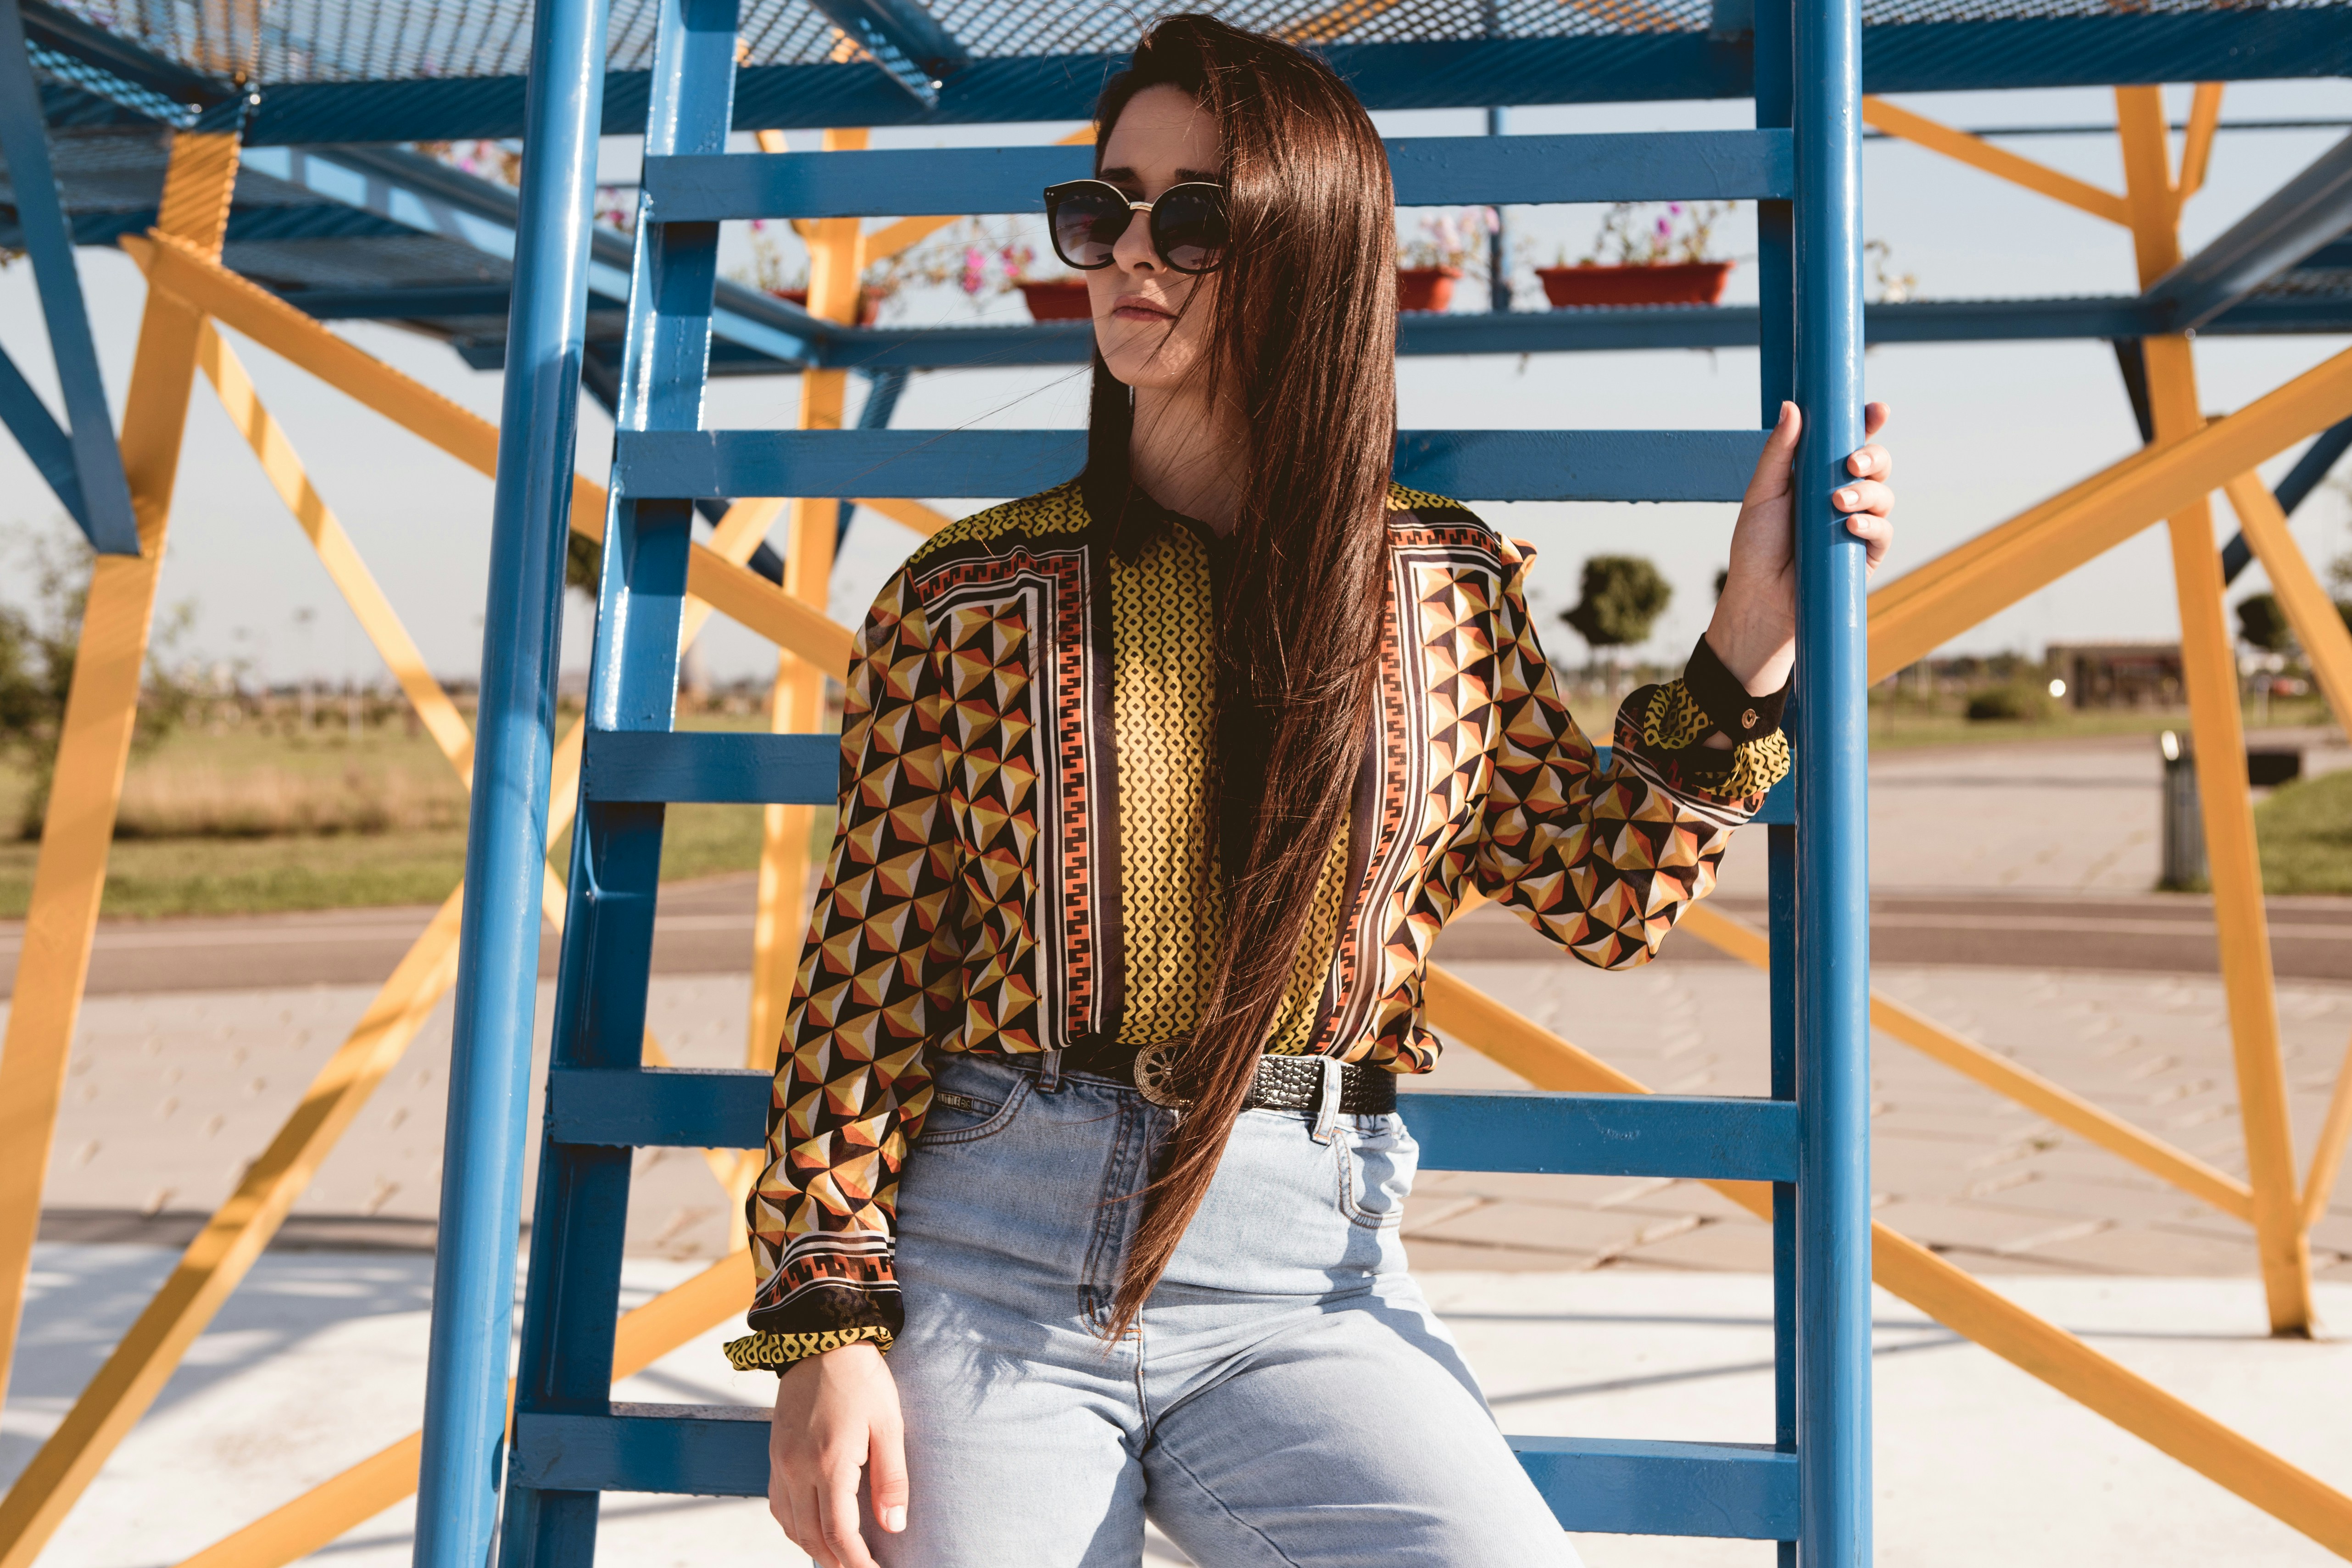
(249, 874)
(2305, 832)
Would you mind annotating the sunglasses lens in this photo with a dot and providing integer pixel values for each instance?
(1188, 229)
(1087, 224)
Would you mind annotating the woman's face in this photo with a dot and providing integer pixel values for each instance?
(1161, 139)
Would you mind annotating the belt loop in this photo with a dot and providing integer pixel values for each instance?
(1049, 1071)
(1327, 1103)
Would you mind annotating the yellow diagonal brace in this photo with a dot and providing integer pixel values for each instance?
(2210, 667)
(1912, 616)
(743, 594)
(2196, 154)
(1948, 1294)
(2000, 1075)
(2327, 1155)
(336, 552)
(2317, 625)
(315, 1517)
(94, 741)
(1979, 154)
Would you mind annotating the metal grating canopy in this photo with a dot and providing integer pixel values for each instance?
(376, 40)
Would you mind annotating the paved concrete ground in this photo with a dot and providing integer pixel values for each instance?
(1977, 1464)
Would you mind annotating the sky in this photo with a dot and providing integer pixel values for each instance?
(1979, 431)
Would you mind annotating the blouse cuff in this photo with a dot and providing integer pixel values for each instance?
(779, 1352)
(1724, 703)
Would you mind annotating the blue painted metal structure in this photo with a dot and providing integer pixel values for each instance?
(506, 833)
(1809, 1486)
(99, 499)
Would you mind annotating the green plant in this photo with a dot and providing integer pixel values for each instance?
(1678, 233)
(2015, 700)
(1622, 595)
(36, 665)
(1456, 239)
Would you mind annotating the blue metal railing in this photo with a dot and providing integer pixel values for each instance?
(1809, 1486)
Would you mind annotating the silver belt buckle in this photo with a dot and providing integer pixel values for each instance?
(1155, 1076)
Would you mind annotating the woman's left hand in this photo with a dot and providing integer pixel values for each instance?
(1754, 631)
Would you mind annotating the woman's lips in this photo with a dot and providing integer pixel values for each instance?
(1130, 308)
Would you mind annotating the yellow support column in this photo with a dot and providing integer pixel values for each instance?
(796, 702)
(2210, 669)
(69, 877)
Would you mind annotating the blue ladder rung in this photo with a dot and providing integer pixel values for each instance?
(1468, 465)
(1716, 1139)
(1616, 1486)
(1711, 1137)
(1621, 1487)
(1429, 171)
(729, 768)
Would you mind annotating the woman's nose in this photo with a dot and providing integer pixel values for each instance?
(1133, 249)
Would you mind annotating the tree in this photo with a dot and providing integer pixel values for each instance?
(1624, 595)
(2262, 624)
(37, 666)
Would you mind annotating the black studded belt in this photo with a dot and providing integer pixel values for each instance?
(1283, 1083)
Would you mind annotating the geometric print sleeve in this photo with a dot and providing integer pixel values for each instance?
(876, 982)
(1604, 861)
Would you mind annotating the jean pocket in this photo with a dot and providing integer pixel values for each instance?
(1377, 1160)
(972, 1099)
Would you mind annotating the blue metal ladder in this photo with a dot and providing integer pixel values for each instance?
(1807, 1487)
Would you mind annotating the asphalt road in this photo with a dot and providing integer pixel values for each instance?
(705, 928)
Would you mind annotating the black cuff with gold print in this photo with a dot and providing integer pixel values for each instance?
(1718, 693)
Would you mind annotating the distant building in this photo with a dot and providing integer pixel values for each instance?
(2119, 674)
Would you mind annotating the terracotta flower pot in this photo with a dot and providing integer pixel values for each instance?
(869, 302)
(1057, 300)
(1672, 283)
(1427, 288)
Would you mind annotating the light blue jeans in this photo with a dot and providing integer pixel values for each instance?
(1290, 1399)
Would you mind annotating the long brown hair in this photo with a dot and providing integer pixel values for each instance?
(1302, 342)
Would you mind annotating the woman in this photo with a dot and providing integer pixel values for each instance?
(1157, 787)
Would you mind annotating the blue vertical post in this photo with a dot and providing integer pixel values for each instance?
(105, 513)
(506, 837)
(1833, 799)
(1775, 282)
(579, 1225)
(1498, 244)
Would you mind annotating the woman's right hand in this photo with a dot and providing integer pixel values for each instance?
(837, 1414)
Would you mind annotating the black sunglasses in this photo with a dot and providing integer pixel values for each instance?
(1187, 224)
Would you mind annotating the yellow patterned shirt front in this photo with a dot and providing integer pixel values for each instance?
(1023, 859)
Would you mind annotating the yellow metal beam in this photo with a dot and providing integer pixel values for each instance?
(1912, 616)
(2327, 1157)
(94, 742)
(318, 1516)
(2196, 154)
(2210, 667)
(2000, 1075)
(1979, 154)
(913, 513)
(796, 699)
(1948, 1294)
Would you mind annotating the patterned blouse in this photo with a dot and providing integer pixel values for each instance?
(1022, 861)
